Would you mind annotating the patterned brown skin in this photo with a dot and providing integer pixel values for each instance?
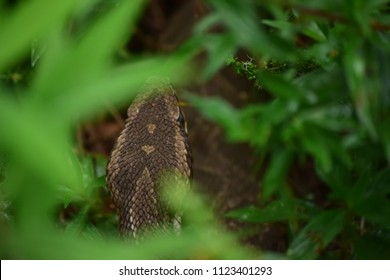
(154, 142)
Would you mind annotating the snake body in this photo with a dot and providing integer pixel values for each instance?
(153, 142)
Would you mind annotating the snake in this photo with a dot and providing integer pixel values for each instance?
(153, 143)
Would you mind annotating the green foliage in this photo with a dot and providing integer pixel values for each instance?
(323, 67)
(52, 195)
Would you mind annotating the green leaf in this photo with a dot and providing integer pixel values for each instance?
(339, 179)
(85, 191)
(19, 28)
(275, 176)
(116, 86)
(276, 211)
(363, 84)
(32, 137)
(371, 195)
(279, 24)
(219, 48)
(313, 31)
(100, 165)
(385, 130)
(332, 5)
(319, 144)
(248, 32)
(317, 235)
(70, 64)
(372, 247)
(76, 225)
(222, 113)
(280, 86)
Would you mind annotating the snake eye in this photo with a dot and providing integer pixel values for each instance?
(180, 118)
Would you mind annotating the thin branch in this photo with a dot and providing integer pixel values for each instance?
(375, 25)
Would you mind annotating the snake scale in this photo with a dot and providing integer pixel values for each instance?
(153, 142)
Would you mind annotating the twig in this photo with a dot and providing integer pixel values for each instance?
(375, 25)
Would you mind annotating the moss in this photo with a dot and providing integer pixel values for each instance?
(250, 69)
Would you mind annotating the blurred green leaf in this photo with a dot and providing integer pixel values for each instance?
(371, 195)
(219, 48)
(313, 31)
(28, 25)
(276, 211)
(221, 112)
(385, 129)
(115, 86)
(363, 90)
(279, 24)
(248, 30)
(281, 86)
(85, 190)
(333, 5)
(372, 247)
(317, 235)
(324, 64)
(100, 166)
(33, 137)
(275, 177)
(320, 145)
(58, 73)
(77, 225)
(339, 179)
